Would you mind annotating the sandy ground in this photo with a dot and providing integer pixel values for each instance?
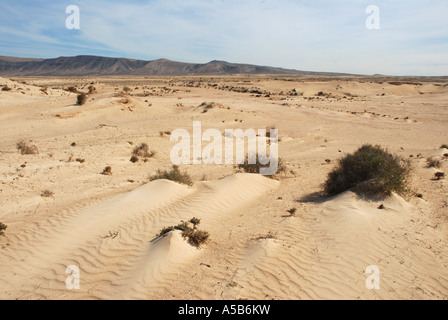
(107, 224)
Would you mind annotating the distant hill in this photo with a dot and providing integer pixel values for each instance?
(103, 66)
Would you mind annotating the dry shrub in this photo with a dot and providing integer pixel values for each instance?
(25, 148)
(2, 229)
(174, 175)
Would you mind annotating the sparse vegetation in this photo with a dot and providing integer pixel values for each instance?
(142, 151)
(194, 236)
(2, 229)
(444, 146)
(6, 88)
(174, 175)
(25, 148)
(92, 90)
(126, 90)
(433, 162)
(257, 166)
(82, 99)
(107, 171)
(439, 175)
(72, 89)
(371, 170)
(47, 194)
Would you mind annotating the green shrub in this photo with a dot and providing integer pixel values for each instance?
(174, 175)
(370, 170)
(82, 99)
(194, 236)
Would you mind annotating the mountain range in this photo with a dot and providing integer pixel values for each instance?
(104, 66)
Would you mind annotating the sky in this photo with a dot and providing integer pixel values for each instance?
(319, 35)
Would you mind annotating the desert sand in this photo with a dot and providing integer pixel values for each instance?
(107, 225)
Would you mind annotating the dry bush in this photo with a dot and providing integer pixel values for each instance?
(174, 175)
(25, 148)
(107, 171)
(257, 166)
(6, 88)
(81, 99)
(439, 175)
(47, 194)
(72, 89)
(2, 229)
(433, 162)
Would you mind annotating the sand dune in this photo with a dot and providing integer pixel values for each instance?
(107, 225)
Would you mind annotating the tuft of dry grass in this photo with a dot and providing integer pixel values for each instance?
(174, 175)
(433, 162)
(25, 148)
(47, 194)
(107, 171)
(257, 166)
(2, 229)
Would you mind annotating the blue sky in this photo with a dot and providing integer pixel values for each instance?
(320, 35)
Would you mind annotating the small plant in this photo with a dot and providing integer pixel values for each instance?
(143, 151)
(92, 90)
(72, 89)
(433, 163)
(370, 170)
(195, 222)
(439, 175)
(107, 171)
(2, 229)
(6, 88)
(47, 194)
(126, 90)
(24, 148)
(82, 99)
(444, 146)
(134, 159)
(292, 211)
(194, 236)
(80, 160)
(257, 166)
(174, 175)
